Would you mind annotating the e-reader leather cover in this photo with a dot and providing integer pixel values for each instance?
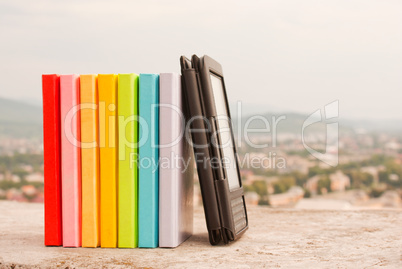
(225, 211)
(232, 205)
(176, 169)
(205, 173)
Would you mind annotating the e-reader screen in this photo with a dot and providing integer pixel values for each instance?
(227, 145)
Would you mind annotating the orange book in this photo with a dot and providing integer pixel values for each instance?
(90, 161)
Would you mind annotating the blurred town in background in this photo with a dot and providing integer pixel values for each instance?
(369, 173)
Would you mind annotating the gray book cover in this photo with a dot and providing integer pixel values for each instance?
(176, 166)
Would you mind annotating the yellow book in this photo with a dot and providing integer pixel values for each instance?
(107, 86)
(89, 160)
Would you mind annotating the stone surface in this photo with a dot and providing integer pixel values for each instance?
(276, 238)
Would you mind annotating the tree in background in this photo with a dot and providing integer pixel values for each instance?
(284, 184)
(316, 170)
(323, 183)
(260, 187)
(360, 180)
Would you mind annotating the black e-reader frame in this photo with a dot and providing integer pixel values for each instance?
(214, 148)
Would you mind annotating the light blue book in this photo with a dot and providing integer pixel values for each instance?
(148, 208)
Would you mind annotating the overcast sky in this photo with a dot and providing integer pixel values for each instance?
(287, 55)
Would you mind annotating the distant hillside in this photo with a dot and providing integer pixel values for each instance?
(20, 119)
(294, 122)
(23, 120)
(291, 124)
(386, 125)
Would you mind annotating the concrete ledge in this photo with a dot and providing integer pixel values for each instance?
(276, 238)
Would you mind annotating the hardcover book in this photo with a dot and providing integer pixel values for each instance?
(148, 161)
(176, 166)
(70, 159)
(128, 151)
(107, 88)
(52, 169)
(90, 160)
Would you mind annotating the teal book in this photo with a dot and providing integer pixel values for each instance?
(148, 202)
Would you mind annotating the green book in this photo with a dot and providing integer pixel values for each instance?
(127, 109)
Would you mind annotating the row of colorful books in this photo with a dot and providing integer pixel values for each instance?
(118, 169)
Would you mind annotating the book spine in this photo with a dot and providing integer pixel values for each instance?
(128, 138)
(169, 126)
(71, 159)
(185, 171)
(52, 170)
(148, 161)
(108, 139)
(90, 160)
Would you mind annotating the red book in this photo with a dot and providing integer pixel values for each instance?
(51, 147)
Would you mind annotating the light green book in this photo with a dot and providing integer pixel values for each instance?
(127, 109)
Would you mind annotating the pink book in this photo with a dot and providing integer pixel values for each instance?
(70, 159)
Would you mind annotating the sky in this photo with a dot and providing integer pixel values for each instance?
(288, 55)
